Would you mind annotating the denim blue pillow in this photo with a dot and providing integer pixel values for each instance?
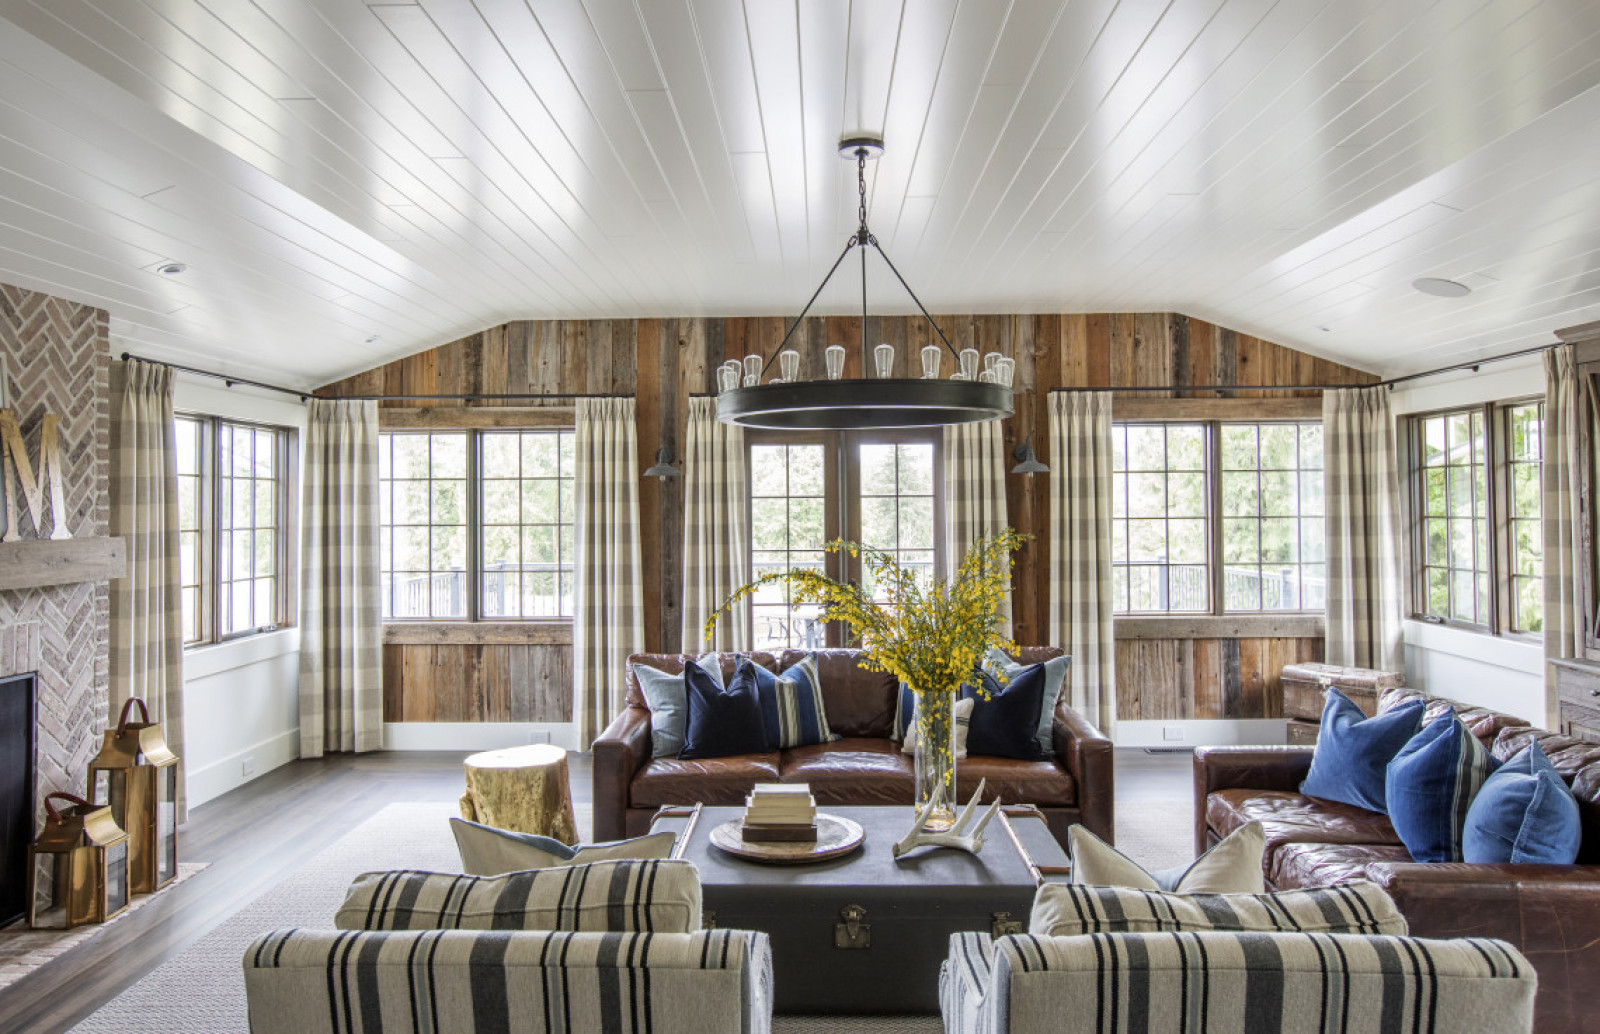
(1006, 723)
(1524, 813)
(722, 722)
(791, 703)
(1430, 785)
(1353, 751)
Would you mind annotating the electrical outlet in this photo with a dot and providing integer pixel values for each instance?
(1172, 732)
(248, 765)
(539, 736)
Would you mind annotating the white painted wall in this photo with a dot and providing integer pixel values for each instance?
(1490, 671)
(241, 699)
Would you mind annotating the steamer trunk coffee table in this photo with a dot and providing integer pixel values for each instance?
(865, 933)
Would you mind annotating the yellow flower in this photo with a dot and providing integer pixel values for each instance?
(928, 633)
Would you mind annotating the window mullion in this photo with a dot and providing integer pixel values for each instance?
(1213, 482)
(1497, 477)
(474, 495)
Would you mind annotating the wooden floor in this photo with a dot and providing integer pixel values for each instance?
(255, 836)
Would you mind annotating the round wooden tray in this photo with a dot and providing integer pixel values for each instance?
(835, 836)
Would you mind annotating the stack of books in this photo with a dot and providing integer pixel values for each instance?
(780, 812)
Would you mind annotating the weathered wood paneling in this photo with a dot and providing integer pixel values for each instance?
(664, 361)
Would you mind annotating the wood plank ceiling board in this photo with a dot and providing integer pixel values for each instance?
(333, 171)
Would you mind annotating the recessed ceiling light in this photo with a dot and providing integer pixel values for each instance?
(372, 340)
(1325, 329)
(1441, 288)
(171, 268)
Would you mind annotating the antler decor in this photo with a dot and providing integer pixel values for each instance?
(958, 835)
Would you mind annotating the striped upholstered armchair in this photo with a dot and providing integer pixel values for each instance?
(1193, 964)
(612, 946)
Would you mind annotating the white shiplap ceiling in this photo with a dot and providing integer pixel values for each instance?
(351, 182)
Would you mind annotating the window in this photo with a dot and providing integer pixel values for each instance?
(1476, 494)
(476, 525)
(1159, 560)
(1272, 519)
(1211, 517)
(233, 538)
(879, 488)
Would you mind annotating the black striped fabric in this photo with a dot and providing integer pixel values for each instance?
(617, 896)
(509, 982)
(1065, 910)
(1215, 982)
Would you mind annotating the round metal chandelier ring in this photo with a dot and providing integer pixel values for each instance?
(850, 405)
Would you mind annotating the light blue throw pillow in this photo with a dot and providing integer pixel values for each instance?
(1354, 751)
(1430, 785)
(1524, 813)
(665, 695)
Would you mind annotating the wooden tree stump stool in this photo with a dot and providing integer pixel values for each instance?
(522, 789)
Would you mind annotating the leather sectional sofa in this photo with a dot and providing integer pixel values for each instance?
(864, 767)
(1550, 912)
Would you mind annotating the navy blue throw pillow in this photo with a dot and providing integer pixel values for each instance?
(1431, 784)
(1006, 725)
(722, 722)
(1354, 751)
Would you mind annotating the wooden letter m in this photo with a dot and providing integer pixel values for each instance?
(32, 489)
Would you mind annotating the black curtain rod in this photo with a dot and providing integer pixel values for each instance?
(227, 379)
(231, 380)
(1389, 383)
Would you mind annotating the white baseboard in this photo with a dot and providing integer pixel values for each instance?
(219, 777)
(476, 735)
(1201, 733)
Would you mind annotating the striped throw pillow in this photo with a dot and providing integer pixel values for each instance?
(791, 703)
(617, 896)
(1069, 909)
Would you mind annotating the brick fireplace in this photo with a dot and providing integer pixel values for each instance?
(57, 354)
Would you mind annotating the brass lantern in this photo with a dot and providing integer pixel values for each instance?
(137, 775)
(84, 858)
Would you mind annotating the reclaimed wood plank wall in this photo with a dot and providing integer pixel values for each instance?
(664, 361)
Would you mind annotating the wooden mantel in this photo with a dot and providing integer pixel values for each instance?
(33, 563)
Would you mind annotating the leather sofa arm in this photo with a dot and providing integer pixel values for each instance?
(1538, 908)
(1246, 768)
(1087, 755)
(619, 753)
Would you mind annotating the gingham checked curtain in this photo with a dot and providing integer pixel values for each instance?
(341, 629)
(975, 492)
(609, 622)
(1566, 422)
(146, 616)
(1361, 484)
(716, 529)
(1080, 550)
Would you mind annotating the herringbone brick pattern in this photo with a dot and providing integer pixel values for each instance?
(57, 353)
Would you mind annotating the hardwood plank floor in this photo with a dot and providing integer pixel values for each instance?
(255, 836)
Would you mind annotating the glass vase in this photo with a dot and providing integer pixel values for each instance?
(935, 757)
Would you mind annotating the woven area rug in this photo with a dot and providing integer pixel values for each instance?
(23, 950)
(202, 990)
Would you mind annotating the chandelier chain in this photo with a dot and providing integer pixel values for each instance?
(861, 188)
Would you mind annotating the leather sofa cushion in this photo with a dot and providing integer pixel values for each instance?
(1044, 782)
(1293, 817)
(714, 781)
(1304, 865)
(854, 770)
(1485, 724)
(860, 703)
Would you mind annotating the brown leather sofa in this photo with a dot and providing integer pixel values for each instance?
(864, 767)
(1550, 912)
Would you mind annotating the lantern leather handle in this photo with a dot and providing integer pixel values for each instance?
(144, 713)
(50, 809)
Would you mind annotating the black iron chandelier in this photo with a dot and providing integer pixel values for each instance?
(785, 402)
